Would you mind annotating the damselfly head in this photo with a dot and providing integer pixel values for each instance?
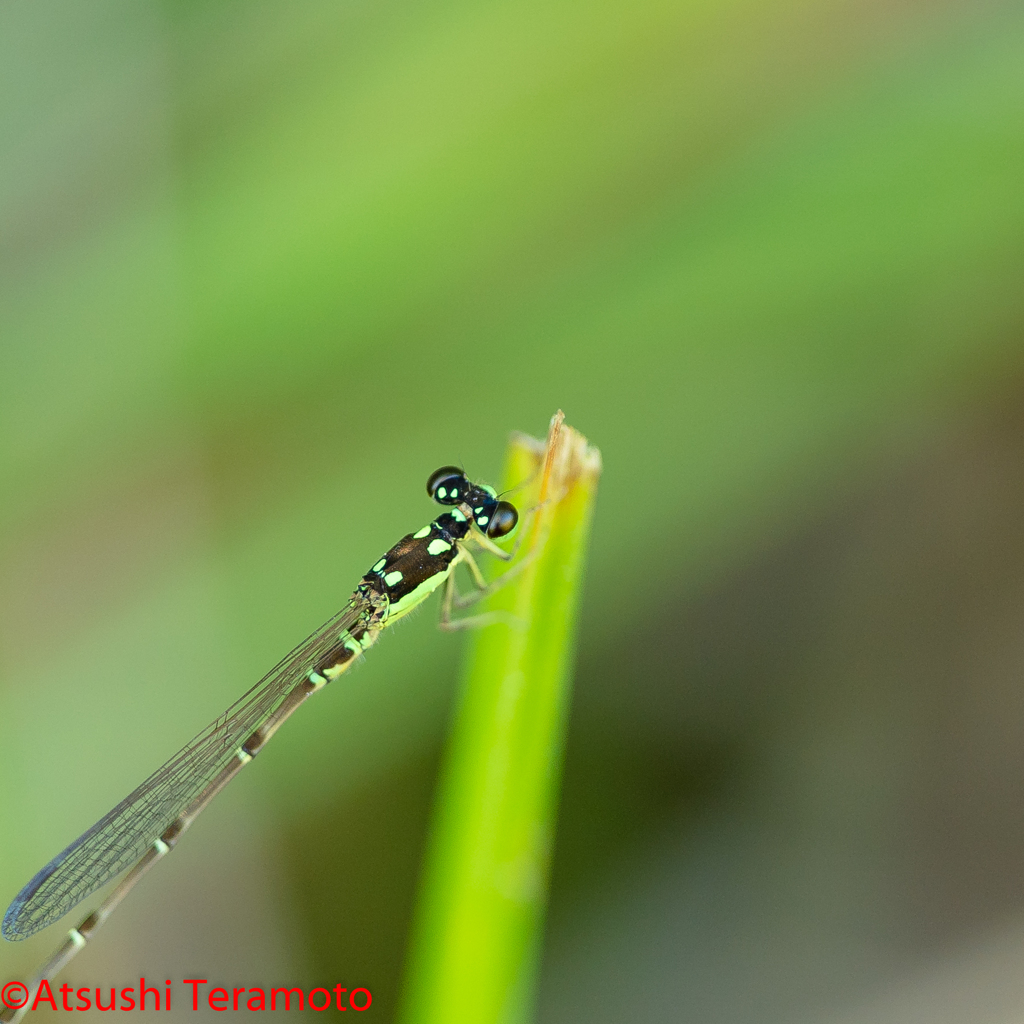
(449, 486)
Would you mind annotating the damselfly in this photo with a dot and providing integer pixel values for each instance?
(147, 824)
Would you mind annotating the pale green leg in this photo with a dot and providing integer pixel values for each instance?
(450, 598)
(483, 588)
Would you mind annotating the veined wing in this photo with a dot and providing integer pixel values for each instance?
(120, 837)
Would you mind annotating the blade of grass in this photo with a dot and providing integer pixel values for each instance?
(476, 937)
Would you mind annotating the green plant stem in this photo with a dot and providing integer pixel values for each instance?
(476, 937)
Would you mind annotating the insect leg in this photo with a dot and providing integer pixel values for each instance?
(449, 624)
(483, 588)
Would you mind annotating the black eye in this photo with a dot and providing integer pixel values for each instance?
(447, 485)
(503, 521)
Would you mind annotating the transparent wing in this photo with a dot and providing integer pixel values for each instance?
(120, 837)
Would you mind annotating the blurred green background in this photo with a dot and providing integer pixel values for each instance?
(265, 265)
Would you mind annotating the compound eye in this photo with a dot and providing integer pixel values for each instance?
(503, 521)
(448, 485)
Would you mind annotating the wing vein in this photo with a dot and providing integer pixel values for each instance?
(122, 835)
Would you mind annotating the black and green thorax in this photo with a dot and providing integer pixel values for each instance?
(418, 564)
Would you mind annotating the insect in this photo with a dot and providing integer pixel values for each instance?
(146, 825)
